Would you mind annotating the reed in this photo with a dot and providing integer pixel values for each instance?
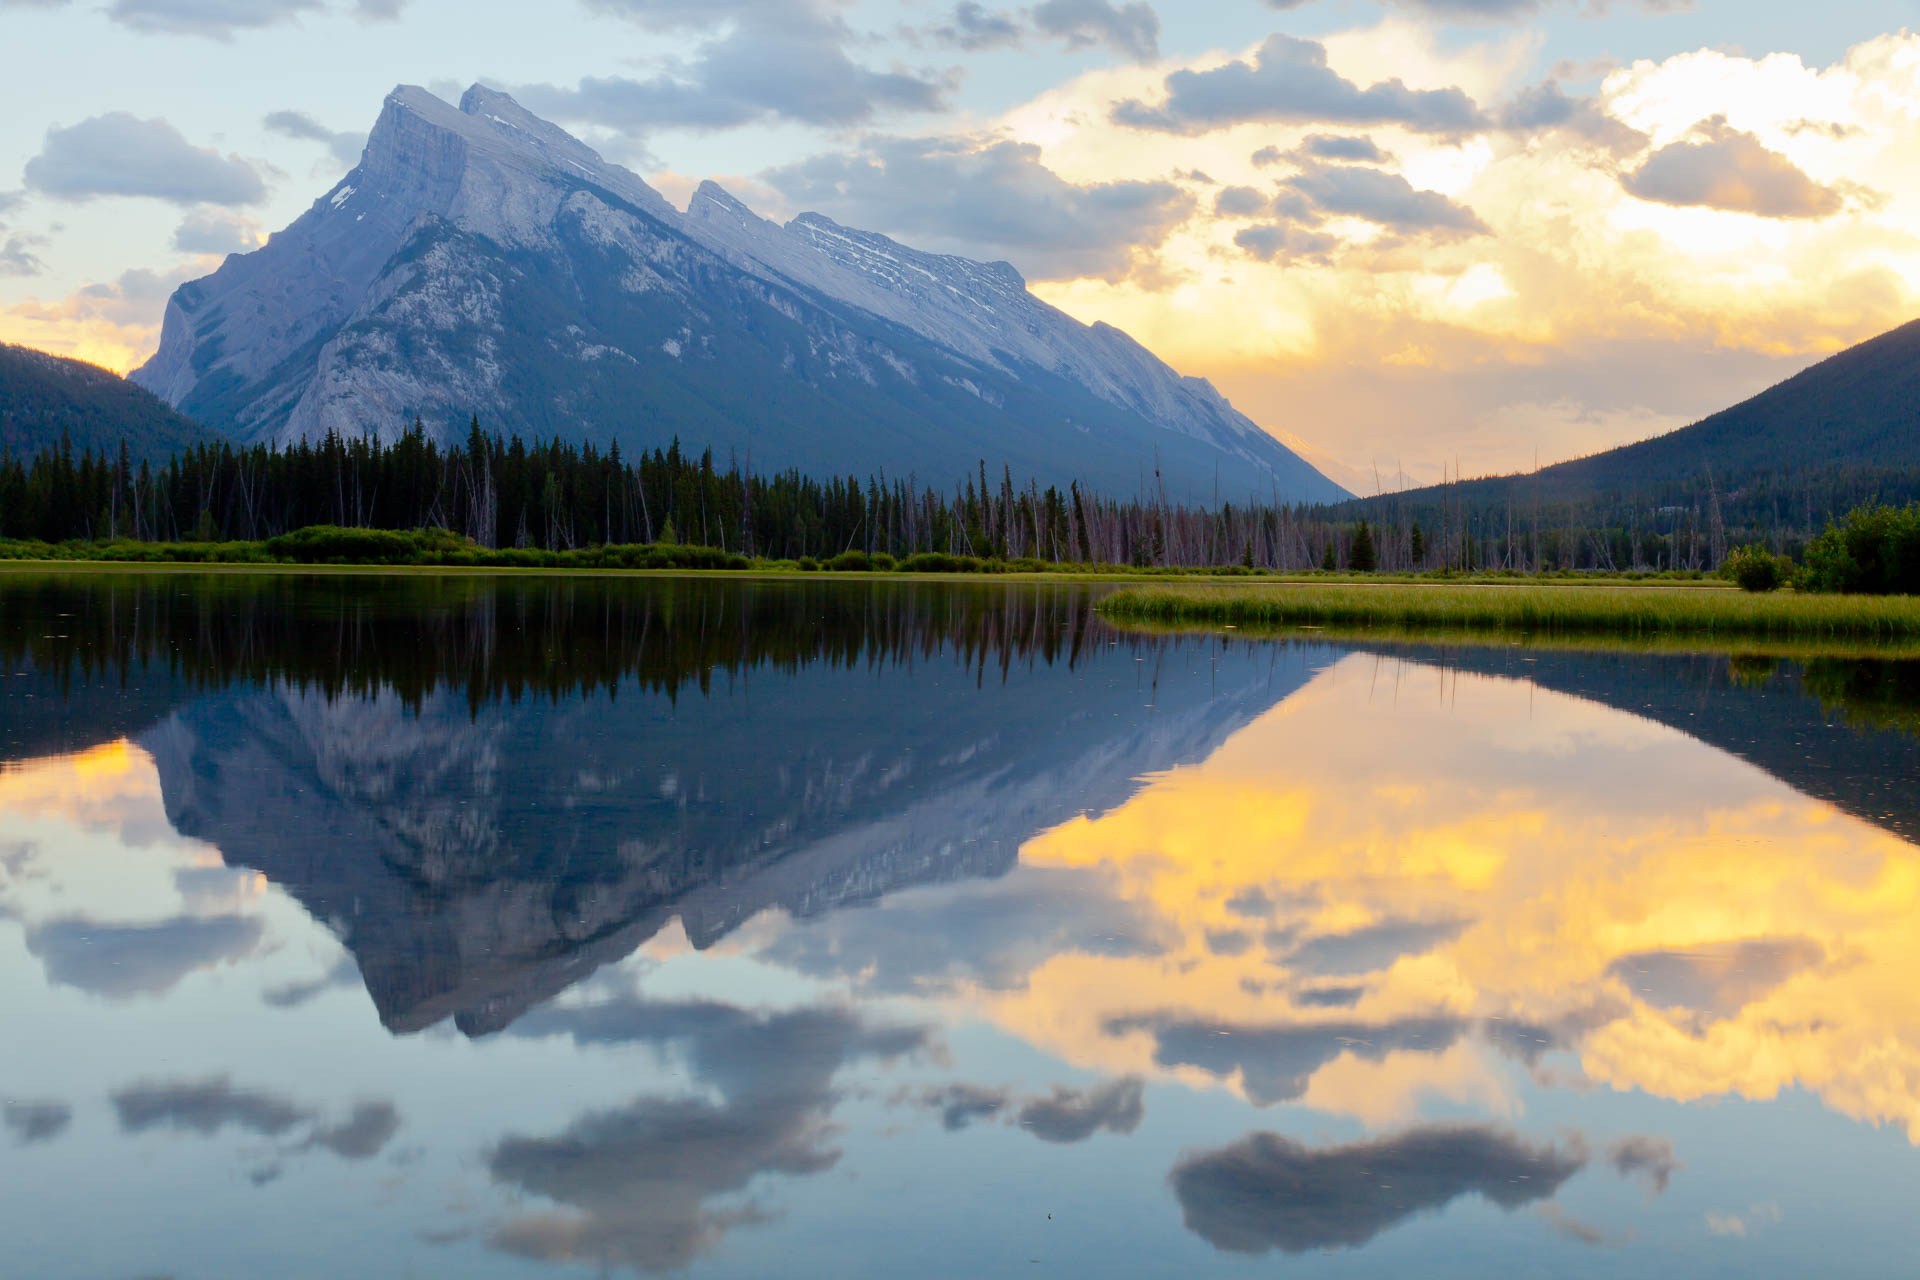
(1518, 611)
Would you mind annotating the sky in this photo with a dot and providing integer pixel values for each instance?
(1407, 236)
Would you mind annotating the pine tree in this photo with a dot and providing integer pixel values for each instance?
(1327, 562)
(1418, 547)
(1360, 556)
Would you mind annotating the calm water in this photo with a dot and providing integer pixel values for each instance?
(519, 929)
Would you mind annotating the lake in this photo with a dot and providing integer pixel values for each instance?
(416, 926)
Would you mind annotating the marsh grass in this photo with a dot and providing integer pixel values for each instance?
(1642, 613)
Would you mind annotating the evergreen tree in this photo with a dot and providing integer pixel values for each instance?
(1360, 556)
(1418, 547)
(1327, 563)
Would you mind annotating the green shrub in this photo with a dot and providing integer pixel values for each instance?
(809, 565)
(851, 562)
(1757, 569)
(1874, 551)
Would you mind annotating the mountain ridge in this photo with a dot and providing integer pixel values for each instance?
(44, 396)
(481, 260)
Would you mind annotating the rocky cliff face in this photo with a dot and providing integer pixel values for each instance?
(480, 260)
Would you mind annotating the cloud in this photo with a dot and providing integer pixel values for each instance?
(1277, 1062)
(1289, 82)
(1329, 997)
(215, 231)
(216, 19)
(110, 324)
(1545, 107)
(960, 1105)
(635, 1181)
(1375, 947)
(1568, 1227)
(31, 1122)
(17, 258)
(993, 933)
(1280, 242)
(118, 154)
(974, 28)
(205, 1107)
(344, 147)
(1650, 1158)
(1130, 29)
(996, 201)
(363, 1135)
(789, 62)
(1717, 980)
(1240, 202)
(1073, 1115)
(1734, 1224)
(1324, 146)
(1269, 1192)
(1229, 942)
(1386, 199)
(294, 994)
(1718, 167)
(121, 962)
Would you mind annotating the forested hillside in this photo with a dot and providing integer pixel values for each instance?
(43, 396)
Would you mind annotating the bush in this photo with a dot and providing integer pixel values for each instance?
(851, 562)
(809, 565)
(1875, 551)
(1757, 569)
(941, 562)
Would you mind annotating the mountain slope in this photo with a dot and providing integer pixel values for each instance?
(480, 260)
(1855, 415)
(43, 395)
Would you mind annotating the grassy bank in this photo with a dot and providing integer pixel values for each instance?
(327, 546)
(1648, 612)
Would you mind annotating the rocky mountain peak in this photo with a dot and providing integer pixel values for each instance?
(481, 260)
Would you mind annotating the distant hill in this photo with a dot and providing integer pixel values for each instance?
(42, 395)
(1774, 469)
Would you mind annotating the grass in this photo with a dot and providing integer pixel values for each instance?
(1643, 613)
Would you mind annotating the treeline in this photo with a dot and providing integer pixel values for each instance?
(555, 497)
(550, 499)
(1525, 525)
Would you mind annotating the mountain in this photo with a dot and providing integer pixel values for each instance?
(1844, 430)
(42, 396)
(481, 260)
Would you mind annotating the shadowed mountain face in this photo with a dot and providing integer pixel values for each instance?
(44, 398)
(480, 260)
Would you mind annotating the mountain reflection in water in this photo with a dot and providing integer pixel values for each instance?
(689, 909)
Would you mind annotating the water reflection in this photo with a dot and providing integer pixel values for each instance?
(818, 930)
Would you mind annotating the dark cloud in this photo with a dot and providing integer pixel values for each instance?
(1718, 167)
(1276, 1062)
(1290, 82)
(295, 994)
(121, 962)
(1377, 946)
(1130, 29)
(217, 19)
(973, 28)
(995, 202)
(1279, 242)
(635, 1182)
(1229, 942)
(121, 155)
(740, 1052)
(991, 932)
(1269, 1192)
(700, 15)
(1717, 980)
(1638, 1155)
(1240, 202)
(363, 1135)
(1329, 997)
(1074, 1115)
(1386, 199)
(212, 231)
(344, 147)
(1326, 146)
(1267, 156)
(960, 1105)
(31, 1122)
(1545, 107)
(205, 1107)
(17, 257)
(789, 62)
(1252, 903)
